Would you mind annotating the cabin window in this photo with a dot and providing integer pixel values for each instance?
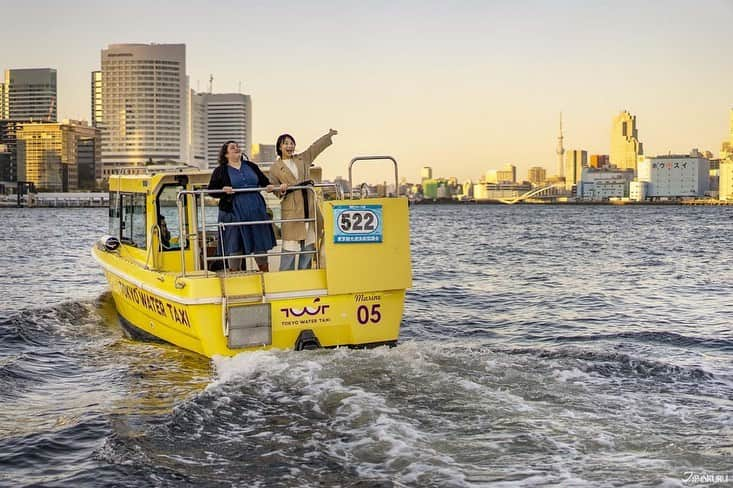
(114, 214)
(133, 223)
(170, 231)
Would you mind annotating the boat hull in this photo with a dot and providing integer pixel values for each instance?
(352, 319)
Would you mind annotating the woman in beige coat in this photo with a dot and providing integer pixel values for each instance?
(291, 169)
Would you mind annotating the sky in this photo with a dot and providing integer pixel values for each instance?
(461, 86)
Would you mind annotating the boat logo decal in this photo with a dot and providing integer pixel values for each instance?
(299, 312)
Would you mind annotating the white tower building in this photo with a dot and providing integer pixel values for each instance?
(145, 113)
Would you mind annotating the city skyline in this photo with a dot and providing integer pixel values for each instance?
(463, 88)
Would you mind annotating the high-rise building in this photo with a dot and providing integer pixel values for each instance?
(575, 161)
(5, 166)
(199, 135)
(144, 113)
(625, 145)
(264, 153)
(537, 175)
(507, 175)
(30, 94)
(426, 173)
(3, 102)
(8, 137)
(599, 161)
(48, 153)
(97, 110)
(228, 117)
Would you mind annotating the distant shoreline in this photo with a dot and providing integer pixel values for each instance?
(705, 202)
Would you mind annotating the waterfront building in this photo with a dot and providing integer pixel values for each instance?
(604, 184)
(638, 190)
(537, 175)
(49, 154)
(599, 161)
(5, 168)
(497, 191)
(264, 153)
(430, 189)
(625, 145)
(726, 180)
(144, 110)
(675, 176)
(8, 138)
(30, 94)
(426, 173)
(227, 116)
(575, 161)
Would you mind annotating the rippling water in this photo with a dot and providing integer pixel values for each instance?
(541, 345)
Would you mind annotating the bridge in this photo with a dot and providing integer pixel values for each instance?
(548, 191)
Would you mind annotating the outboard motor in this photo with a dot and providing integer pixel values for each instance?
(307, 341)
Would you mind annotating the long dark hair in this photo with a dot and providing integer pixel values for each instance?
(223, 153)
(280, 140)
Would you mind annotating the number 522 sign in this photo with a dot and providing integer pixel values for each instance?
(357, 223)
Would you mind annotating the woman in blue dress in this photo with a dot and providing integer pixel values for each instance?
(235, 172)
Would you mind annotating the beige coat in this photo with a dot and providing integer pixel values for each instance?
(293, 206)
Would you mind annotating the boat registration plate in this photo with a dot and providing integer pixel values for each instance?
(357, 224)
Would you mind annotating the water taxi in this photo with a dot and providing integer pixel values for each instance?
(163, 264)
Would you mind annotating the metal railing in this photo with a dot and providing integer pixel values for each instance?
(199, 202)
(373, 158)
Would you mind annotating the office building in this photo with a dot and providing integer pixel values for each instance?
(8, 138)
(675, 176)
(508, 174)
(537, 175)
(599, 161)
(575, 161)
(5, 164)
(144, 114)
(49, 154)
(426, 173)
(3, 103)
(97, 110)
(198, 126)
(625, 145)
(264, 153)
(30, 94)
(218, 118)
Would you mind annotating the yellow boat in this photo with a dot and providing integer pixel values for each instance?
(164, 285)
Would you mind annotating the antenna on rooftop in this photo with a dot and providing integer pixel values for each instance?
(211, 83)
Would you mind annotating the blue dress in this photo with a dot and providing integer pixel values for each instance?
(247, 206)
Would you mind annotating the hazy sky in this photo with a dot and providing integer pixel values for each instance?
(462, 86)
